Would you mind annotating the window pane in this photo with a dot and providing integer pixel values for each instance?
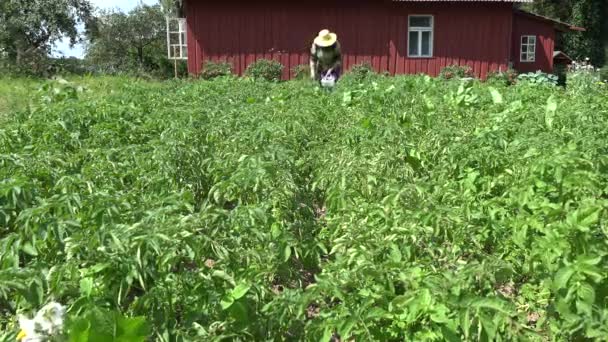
(532, 44)
(173, 25)
(524, 40)
(426, 43)
(420, 21)
(183, 36)
(174, 38)
(413, 43)
(184, 52)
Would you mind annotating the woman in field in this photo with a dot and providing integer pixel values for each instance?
(325, 56)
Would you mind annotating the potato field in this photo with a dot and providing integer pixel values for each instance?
(388, 209)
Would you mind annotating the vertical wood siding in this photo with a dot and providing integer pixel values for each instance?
(545, 43)
(474, 34)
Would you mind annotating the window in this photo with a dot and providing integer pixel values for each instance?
(177, 47)
(528, 49)
(420, 36)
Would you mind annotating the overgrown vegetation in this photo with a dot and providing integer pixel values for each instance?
(213, 69)
(360, 72)
(265, 69)
(301, 72)
(508, 77)
(456, 71)
(404, 208)
(604, 74)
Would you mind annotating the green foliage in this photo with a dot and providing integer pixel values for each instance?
(301, 72)
(269, 70)
(29, 28)
(590, 43)
(103, 325)
(213, 69)
(360, 72)
(132, 43)
(456, 71)
(393, 209)
(538, 77)
(16, 94)
(604, 74)
(508, 77)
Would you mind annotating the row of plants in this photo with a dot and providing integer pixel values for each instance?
(271, 70)
(405, 208)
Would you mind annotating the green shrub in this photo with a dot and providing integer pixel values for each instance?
(265, 69)
(508, 77)
(301, 72)
(538, 77)
(604, 74)
(362, 70)
(359, 73)
(456, 71)
(213, 69)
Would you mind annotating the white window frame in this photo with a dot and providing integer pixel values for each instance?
(419, 30)
(529, 54)
(181, 44)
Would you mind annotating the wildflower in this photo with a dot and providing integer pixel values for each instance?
(48, 322)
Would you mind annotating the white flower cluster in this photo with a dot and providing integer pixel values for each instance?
(583, 66)
(47, 323)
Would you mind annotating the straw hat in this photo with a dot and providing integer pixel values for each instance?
(326, 39)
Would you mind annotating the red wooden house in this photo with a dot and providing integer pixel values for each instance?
(395, 36)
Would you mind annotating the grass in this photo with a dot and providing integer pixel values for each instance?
(15, 94)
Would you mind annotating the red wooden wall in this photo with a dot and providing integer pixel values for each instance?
(474, 34)
(545, 43)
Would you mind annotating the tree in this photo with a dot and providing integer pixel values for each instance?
(605, 31)
(173, 8)
(134, 41)
(29, 28)
(587, 44)
(558, 9)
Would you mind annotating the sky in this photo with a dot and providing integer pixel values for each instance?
(62, 48)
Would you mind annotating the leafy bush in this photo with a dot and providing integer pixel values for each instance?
(213, 69)
(395, 209)
(456, 71)
(301, 72)
(604, 74)
(583, 76)
(538, 77)
(360, 72)
(508, 77)
(269, 70)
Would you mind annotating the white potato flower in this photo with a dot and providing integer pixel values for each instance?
(47, 323)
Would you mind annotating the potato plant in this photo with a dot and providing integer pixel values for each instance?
(390, 209)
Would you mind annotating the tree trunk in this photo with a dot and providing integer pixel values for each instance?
(140, 57)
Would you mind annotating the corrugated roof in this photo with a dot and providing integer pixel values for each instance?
(463, 0)
(559, 25)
